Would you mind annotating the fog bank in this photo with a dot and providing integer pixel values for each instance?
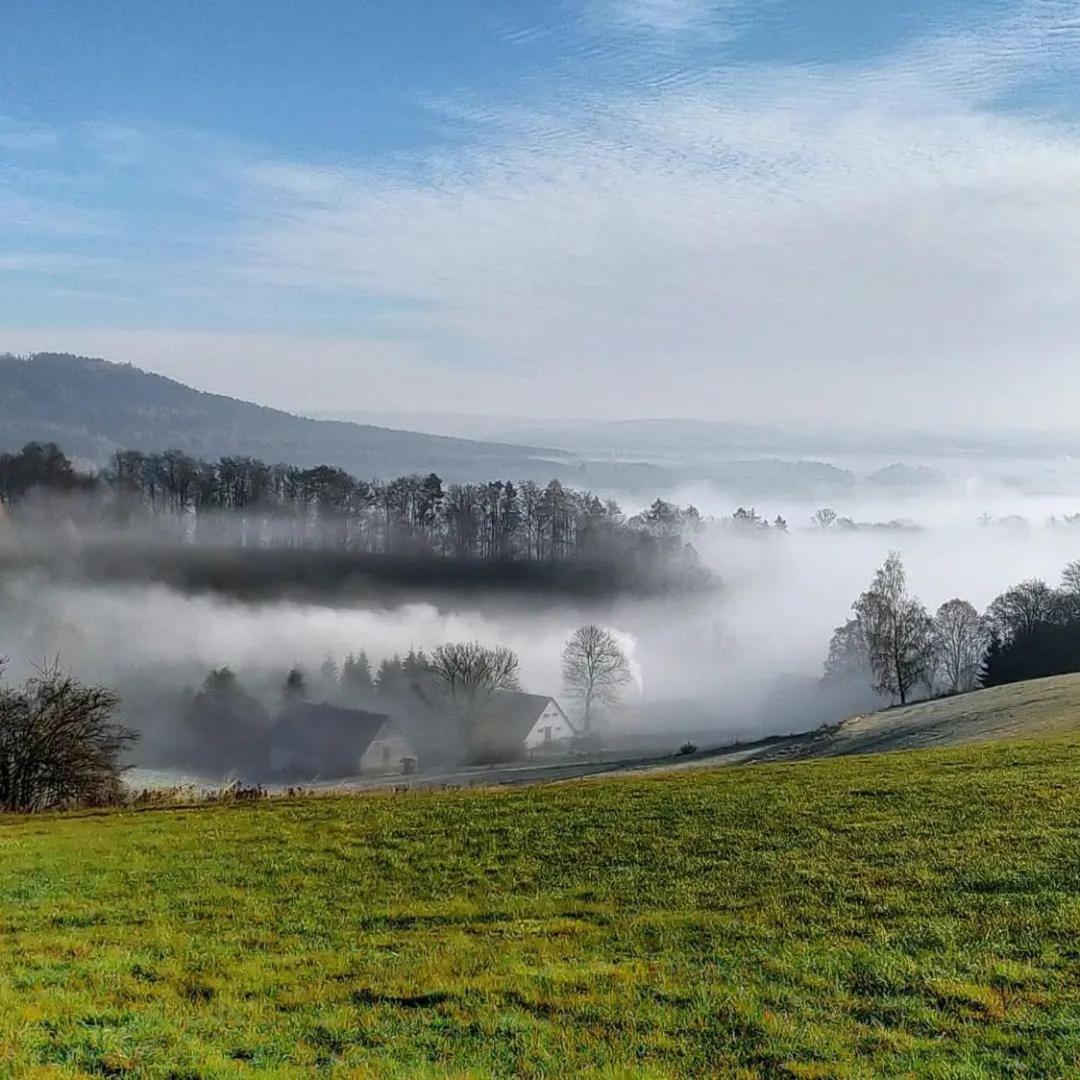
(741, 661)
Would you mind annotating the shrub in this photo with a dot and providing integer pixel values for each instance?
(59, 744)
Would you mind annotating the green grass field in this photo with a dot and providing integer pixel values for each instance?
(909, 914)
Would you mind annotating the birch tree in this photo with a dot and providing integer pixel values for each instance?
(897, 630)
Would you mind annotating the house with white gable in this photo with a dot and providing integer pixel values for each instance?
(513, 725)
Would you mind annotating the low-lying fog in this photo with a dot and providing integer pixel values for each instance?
(732, 664)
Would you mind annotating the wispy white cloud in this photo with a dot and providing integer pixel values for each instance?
(49, 216)
(49, 262)
(760, 242)
(879, 239)
(18, 135)
(667, 16)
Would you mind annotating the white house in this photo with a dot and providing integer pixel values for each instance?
(551, 729)
(512, 725)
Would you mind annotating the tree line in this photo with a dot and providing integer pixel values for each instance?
(247, 502)
(1032, 630)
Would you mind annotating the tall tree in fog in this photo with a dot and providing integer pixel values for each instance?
(1019, 611)
(470, 673)
(295, 686)
(595, 670)
(415, 662)
(663, 521)
(897, 630)
(1070, 588)
(959, 640)
(356, 681)
(329, 678)
(1070, 578)
(389, 680)
(849, 654)
(38, 465)
(223, 724)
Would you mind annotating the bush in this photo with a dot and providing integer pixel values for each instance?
(59, 744)
(688, 748)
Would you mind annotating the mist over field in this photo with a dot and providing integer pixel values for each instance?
(741, 661)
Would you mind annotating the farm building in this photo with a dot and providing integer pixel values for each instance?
(514, 725)
(332, 743)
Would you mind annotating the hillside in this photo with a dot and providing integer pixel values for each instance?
(1024, 710)
(91, 408)
(893, 915)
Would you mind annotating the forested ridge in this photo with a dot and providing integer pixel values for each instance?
(414, 529)
(92, 408)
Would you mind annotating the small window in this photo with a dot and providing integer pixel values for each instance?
(385, 754)
(547, 734)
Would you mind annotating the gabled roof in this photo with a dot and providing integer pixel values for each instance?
(509, 715)
(319, 730)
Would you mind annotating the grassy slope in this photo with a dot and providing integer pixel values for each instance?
(863, 916)
(1021, 710)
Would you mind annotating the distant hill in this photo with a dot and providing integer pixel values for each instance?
(901, 477)
(92, 408)
(677, 439)
(674, 438)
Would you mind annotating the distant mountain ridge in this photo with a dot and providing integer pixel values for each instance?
(678, 438)
(92, 407)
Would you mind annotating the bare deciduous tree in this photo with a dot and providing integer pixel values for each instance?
(896, 629)
(1019, 610)
(595, 669)
(1069, 591)
(59, 743)
(470, 674)
(1070, 578)
(959, 639)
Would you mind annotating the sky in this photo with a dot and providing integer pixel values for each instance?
(818, 212)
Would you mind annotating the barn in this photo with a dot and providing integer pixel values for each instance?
(310, 741)
(513, 725)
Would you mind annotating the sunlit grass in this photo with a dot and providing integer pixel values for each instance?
(909, 914)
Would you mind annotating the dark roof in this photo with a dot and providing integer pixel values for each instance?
(308, 728)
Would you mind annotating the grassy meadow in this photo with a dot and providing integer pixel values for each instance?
(908, 914)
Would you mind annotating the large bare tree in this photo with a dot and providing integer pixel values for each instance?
(470, 674)
(1069, 591)
(1018, 611)
(959, 639)
(897, 630)
(59, 743)
(595, 669)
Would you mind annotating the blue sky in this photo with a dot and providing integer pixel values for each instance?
(731, 210)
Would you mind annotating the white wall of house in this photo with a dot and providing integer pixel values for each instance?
(386, 752)
(551, 730)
